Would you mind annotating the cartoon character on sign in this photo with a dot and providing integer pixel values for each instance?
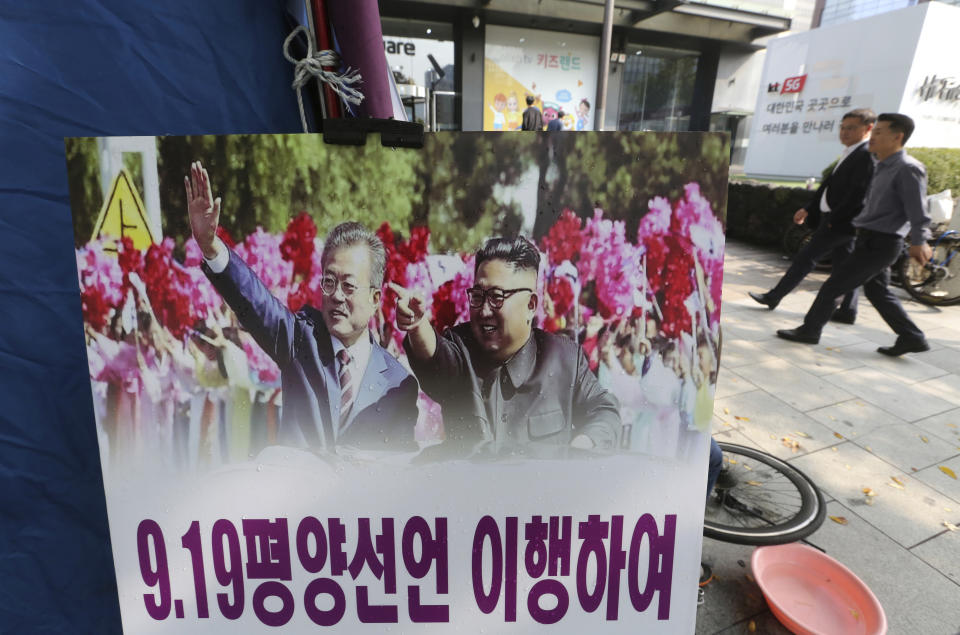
(583, 111)
(550, 111)
(569, 121)
(514, 118)
(499, 103)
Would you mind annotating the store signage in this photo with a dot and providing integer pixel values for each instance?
(789, 85)
(939, 88)
(394, 47)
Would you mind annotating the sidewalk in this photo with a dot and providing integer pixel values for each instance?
(897, 417)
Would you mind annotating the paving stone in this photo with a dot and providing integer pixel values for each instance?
(907, 447)
(941, 553)
(907, 368)
(796, 387)
(909, 515)
(945, 425)
(738, 353)
(816, 360)
(730, 383)
(946, 387)
(889, 393)
(943, 482)
(854, 418)
(766, 421)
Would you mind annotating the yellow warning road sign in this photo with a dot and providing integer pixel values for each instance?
(123, 214)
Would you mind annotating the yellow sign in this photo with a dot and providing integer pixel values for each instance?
(123, 214)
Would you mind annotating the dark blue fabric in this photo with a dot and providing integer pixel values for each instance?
(82, 68)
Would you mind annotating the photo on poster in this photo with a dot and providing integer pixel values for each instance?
(286, 330)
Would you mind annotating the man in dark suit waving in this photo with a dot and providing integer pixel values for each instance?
(837, 201)
(339, 386)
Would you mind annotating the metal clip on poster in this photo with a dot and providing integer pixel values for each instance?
(353, 132)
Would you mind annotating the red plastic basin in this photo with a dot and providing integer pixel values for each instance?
(813, 594)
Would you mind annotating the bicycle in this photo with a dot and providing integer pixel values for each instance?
(761, 500)
(938, 282)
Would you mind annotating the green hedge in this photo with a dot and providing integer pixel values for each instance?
(943, 168)
(760, 214)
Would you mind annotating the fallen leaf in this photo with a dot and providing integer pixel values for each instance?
(832, 418)
(897, 485)
(838, 435)
(897, 480)
(773, 436)
(749, 577)
(830, 348)
(834, 448)
(752, 626)
(754, 483)
(739, 418)
(947, 509)
(801, 434)
(747, 467)
(868, 448)
(727, 424)
(913, 469)
(946, 470)
(925, 439)
(861, 404)
(869, 492)
(847, 465)
(951, 425)
(840, 520)
(950, 526)
(726, 411)
(734, 461)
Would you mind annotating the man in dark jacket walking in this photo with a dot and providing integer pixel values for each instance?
(532, 117)
(838, 200)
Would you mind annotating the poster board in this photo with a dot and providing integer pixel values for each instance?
(221, 520)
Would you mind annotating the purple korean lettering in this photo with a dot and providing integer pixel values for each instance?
(313, 559)
(228, 573)
(504, 566)
(659, 567)
(536, 558)
(268, 557)
(383, 568)
(431, 550)
(592, 533)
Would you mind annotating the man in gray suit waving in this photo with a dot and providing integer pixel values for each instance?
(340, 387)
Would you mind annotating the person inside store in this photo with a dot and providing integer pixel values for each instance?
(532, 117)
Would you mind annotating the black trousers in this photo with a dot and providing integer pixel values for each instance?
(825, 241)
(868, 266)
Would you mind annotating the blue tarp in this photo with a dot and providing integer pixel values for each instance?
(91, 68)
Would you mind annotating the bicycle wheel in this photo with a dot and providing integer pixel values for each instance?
(761, 500)
(937, 283)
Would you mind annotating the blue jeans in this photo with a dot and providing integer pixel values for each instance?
(716, 462)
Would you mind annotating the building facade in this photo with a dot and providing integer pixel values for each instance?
(488, 55)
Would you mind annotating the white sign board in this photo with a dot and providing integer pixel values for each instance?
(811, 79)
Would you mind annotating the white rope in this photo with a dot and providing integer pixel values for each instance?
(312, 66)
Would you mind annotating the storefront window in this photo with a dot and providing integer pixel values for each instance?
(657, 89)
(427, 90)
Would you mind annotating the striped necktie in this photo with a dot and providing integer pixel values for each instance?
(346, 385)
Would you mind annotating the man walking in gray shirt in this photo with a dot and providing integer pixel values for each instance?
(895, 206)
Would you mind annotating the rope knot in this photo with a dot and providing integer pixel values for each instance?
(313, 66)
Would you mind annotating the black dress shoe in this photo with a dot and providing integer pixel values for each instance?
(844, 317)
(764, 300)
(904, 346)
(798, 335)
